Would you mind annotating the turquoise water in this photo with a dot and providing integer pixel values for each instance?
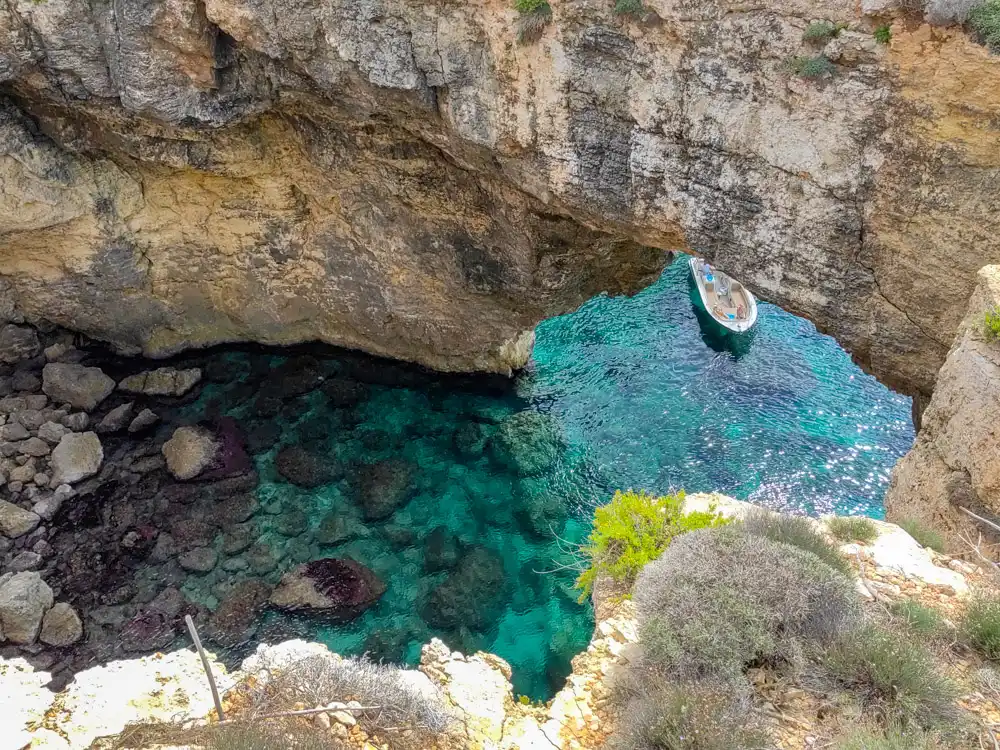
(468, 482)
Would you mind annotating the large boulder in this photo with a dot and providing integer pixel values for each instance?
(189, 452)
(164, 381)
(15, 521)
(339, 588)
(305, 468)
(79, 455)
(61, 626)
(383, 487)
(80, 387)
(24, 600)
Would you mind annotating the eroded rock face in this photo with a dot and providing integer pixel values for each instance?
(955, 462)
(411, 182)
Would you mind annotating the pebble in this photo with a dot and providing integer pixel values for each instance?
(26, 560)
(77, 422)
(14, 432)
(322, 721)
(35, 447)
(52, 432)
(41, 479)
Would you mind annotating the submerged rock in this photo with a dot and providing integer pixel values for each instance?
(80, 387)
(148, 631)
(462, 600)
(164, 381)
(337, 587)
(189, 452)
(305, 468)
(233, 622)
(383, 487)
(441, 550)
(528, 443)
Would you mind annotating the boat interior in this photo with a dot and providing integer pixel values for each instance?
(727, 298)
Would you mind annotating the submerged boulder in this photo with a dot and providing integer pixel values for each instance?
(383, 487)
(336, 587)
(305, 468)
(472, 596)
(527, 443)
(234, 621)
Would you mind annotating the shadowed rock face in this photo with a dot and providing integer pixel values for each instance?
(401, 177)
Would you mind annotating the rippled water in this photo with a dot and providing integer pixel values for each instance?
(623, 393)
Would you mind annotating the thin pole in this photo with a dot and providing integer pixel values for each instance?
(208, 667)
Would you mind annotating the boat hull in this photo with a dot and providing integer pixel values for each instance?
(735, 325)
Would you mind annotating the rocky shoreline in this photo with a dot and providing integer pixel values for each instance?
(477, 687)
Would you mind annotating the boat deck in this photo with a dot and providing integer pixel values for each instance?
(725, 296)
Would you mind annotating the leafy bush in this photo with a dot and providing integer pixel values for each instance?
(633, 529)
(821, 31)
(981, 626)
(852, 529)
(629, 7)
(883, 34)
(798, 532)
(985, 21)
(535, 15)
(991, 324)
(812, 67)
(923, 535)
(686, 716)
(917, 618)
(721, 599)
(893, 676)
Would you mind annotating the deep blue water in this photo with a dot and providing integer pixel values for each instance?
(623, 393)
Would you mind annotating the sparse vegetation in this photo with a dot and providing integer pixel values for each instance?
(981, 626)
(984, 19)
(919, 619)
(534, 16)
(852, 529)
(883, 34)
(288, 733)
(798, 532)
(893, 739)
(812, 68)
(893, 677)
(991, 324)
(718, 600)
(822, 31)
(633, 529)
(926, 537)
(629, 7)
(685, 716)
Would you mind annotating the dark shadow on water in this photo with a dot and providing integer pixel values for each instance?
(717, 338)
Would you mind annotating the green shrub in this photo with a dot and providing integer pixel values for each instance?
(893, 676)
(629, 7)
(821, 31)
(798, 532)
(633, 529)
(981, 626)
(812, 68)
(991, 324)
(924, 535)
(535, 15)
(686, 716)
(883, 34)
(921, 620)
(985, 21)
(853, 529)
(719, 600)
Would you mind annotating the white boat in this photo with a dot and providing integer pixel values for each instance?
(726, 300)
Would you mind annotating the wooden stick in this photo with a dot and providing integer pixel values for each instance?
(301, 712)
(988, 522)
(208, 667)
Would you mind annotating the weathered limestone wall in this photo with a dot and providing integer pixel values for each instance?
(402, 177)
(956, 460)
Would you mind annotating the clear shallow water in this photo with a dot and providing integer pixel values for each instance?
(623, 393)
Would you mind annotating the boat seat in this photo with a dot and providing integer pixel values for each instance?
(709, 286)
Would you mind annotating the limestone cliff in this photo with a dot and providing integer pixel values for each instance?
(403, 177)
(956, 460)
